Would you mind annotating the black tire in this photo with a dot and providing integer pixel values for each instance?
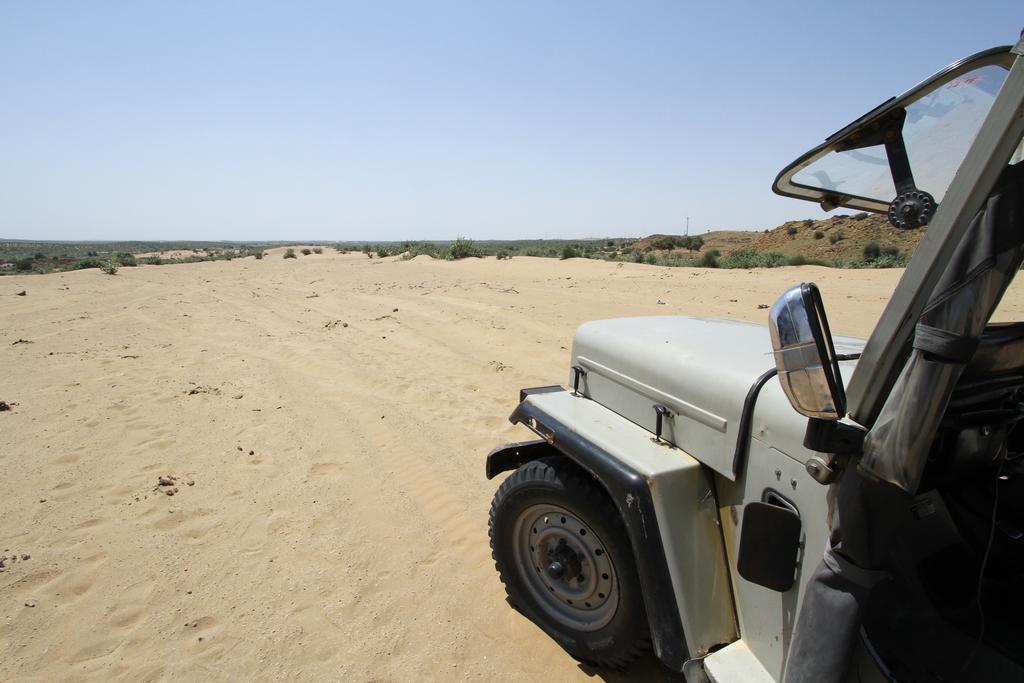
(546, 516)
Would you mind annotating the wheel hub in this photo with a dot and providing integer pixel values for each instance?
(564, 563)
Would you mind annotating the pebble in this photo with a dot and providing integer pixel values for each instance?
(26, 556)
(30, 603)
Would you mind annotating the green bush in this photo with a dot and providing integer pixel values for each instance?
(652, 260)
(801, 260)
(125, 259)
(414, 249)
(87, 263)
(753, 259)
(23, 264)
(886, 261)
(289, 253)
(318, 250)
(709, 259)
(791, 230)
(860, 216)
(891, 252)
(461, 248)
(638, 256)
(258, 255)
(382, 251)
(306, 252)
(110, 268)
(836, 237)
(569, 251)
(872, 251)
(503, 254)
(818, 234)
(692, 243)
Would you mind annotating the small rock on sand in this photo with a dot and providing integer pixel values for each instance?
(4, 406)
(30, 603)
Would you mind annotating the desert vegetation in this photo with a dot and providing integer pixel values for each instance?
(854, 241)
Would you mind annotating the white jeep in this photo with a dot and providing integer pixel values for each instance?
(850, 510)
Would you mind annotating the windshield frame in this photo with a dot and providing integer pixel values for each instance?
(784, 185)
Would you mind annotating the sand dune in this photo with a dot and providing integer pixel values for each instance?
(326, 420)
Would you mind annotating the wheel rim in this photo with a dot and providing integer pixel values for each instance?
(566, 567)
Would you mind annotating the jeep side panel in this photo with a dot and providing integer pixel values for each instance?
(668, 503)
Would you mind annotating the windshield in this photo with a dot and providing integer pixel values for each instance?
(939, 128)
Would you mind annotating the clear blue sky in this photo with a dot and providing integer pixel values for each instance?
(383, 120)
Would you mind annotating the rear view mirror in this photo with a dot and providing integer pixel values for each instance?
(805, 355)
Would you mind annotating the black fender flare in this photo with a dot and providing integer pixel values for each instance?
(629, 491)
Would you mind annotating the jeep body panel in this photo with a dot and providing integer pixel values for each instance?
(701, 370)
(668, 502)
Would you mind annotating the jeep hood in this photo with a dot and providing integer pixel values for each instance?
(702, 371)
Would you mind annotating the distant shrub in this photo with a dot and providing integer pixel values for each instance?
(258, 255)
(709, 259)
(461, 248)
(887, 261)
(153, 261)
(692, 243)
(791, 230)
(289, 253)
(318, 250)
(125, 259)
(87, 263)
(382, 251)
(808, 222)
(503, 255)
(306, 252)
(872, 251)
(414, 249)
(836, 237)
(110, 268)
(638, 256)
(569, 251)
(23, 264)
(818, 234)
(753, 259)
(801, 260)
(652, 260)
(891, 252)
(860, 216)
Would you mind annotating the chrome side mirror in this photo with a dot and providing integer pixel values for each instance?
(805, 355)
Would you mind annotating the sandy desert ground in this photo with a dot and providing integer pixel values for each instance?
(327, 420)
